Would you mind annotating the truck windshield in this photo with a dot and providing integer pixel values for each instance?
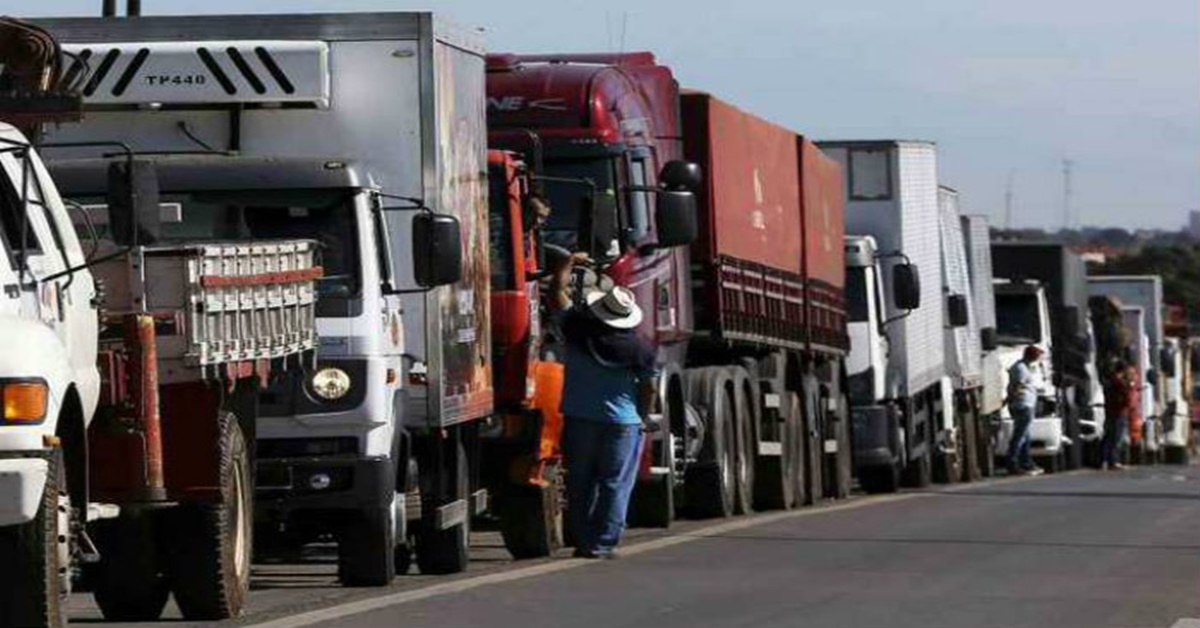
(856, 294)
(1017, 318)
(567, 198)
(499, 224)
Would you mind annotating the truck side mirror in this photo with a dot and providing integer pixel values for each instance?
(675, 218)
(906, 286)
(437, 250)
(989, 339)
(678, 175)
(132, 196)
(956, 306)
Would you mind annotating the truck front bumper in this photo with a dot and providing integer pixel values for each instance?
(322, 484)
(22, 483)
(874, 431)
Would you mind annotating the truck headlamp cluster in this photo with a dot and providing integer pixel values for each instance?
(330, 383)
(24, 401)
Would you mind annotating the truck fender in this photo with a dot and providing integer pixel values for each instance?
(33, 350)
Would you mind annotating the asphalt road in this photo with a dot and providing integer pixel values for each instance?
(1091, 550)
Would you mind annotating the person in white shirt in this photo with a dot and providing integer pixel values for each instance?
(1022, 401)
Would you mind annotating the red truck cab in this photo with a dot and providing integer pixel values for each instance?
(610, 121)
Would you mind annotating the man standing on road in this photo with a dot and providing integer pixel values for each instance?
(1118, 399)
(608, 389)
(1022, 402)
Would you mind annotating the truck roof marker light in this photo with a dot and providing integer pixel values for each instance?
(25, 401)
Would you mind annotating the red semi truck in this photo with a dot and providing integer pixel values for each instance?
(750, 320)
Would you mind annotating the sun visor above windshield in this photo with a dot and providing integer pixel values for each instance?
(203, 73)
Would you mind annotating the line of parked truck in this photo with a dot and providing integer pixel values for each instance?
(278, 281)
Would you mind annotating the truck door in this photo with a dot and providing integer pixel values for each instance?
(64, 303)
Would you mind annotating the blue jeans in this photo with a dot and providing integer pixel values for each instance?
(1018, 445)
(1114, 433)
(602, 465)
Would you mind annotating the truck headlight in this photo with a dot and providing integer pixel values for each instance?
(330, 383)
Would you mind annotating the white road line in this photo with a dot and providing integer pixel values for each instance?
(1186, 623)
(341, 611)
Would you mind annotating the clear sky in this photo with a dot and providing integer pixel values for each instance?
(1012, 86)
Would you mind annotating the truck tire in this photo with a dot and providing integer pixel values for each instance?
(1175, 455)
(531, 519)
(709, 484)
(746, 415)
(211, 544)
(919, 472)
(875, 480)
(128, 582)
(840, 467)
(36, 558)
(970, 440)
(812, 431)
(775, 475)
(366, 549)
(446, 551)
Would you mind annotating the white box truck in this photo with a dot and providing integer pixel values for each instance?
(959, 455)
(899, 388)
(977, 237)
(367, 132)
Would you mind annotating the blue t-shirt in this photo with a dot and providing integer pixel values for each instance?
(598, 392)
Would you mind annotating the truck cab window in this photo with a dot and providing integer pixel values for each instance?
(499, 237)
(1017, 318)
(12, 216)
(639, 202)
(566, 199)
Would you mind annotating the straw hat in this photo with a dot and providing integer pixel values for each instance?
(616, 307)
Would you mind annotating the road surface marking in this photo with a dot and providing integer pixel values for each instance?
(1186, 623)
(341, 611)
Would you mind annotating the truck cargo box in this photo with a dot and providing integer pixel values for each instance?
(401, 93)
(977, 239)
(963, 351)
(766, 193)
(823, 202)
(891, 187)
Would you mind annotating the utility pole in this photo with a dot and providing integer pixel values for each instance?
(1008, 199)
(1068, 166)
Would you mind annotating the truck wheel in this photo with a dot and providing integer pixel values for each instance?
(841, 464)
(776, 474)
(709, 484)
(36, 558)
(366, 549)
(128, 582)
(211, 544)
(876, 480)
(746, 414)
(446, 551)
(1175, 455)
(813, 442)
(531, 519)
(919, 472)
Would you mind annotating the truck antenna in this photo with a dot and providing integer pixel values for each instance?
(1008, 199)
(1068, 166)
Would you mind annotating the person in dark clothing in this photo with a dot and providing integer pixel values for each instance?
(609, 386)
(1119, 398)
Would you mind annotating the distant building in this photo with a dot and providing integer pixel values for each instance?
(1193, 228)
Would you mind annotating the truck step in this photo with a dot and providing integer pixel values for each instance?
(97, 511)
(451, 514)
(479, 502)
(767, 448)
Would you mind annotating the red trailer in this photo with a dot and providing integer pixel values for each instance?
(752, 385)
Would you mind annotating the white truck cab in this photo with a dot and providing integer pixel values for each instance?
(1023, 319)
(49, 382)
